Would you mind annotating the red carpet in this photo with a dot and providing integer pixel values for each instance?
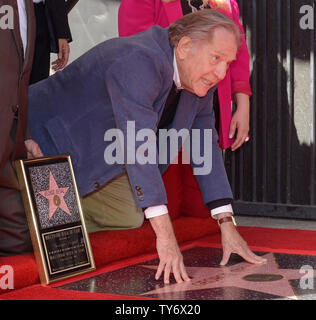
(112, 246)
(259, 239)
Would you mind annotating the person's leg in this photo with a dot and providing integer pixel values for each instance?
(113, 207)
(14, 231)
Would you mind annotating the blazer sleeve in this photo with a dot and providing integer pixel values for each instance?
(57, 12)
(210, 173)
(133, 88)
(135, 16)
(240, 67)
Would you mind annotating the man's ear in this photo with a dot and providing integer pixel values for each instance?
(184, 47)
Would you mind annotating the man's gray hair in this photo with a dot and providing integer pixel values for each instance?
(201, 26)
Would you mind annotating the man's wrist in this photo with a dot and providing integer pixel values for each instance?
(226, 221)
(162, 227)
(223, 215)
(221, 210)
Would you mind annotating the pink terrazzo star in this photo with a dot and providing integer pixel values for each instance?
(274, 281)
(55, 196)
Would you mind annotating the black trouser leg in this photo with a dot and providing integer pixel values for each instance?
(41, 62)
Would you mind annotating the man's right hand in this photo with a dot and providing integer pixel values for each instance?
(170, 257)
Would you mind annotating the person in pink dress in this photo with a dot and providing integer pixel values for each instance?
(138, 15)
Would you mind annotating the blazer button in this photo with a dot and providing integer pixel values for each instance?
(97, 185)
(139, 193)
(141, 198)
(138, 188)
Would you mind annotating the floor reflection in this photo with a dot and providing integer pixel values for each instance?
(280, 278)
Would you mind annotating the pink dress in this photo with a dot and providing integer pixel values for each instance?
(139, 15)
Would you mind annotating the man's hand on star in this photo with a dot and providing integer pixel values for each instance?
(234, 276)
(232, 242)
(170, 257)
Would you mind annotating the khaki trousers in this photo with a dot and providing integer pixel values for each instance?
(113, 207)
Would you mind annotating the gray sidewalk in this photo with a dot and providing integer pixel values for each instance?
(275, 223)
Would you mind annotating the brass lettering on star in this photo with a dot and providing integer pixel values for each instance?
(261, 277)
(56, 200)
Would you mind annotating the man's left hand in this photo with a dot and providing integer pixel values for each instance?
(232, 242)
(33, 149)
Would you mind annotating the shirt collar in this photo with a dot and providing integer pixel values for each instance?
(176, 77)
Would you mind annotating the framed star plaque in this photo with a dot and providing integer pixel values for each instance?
(52, 204)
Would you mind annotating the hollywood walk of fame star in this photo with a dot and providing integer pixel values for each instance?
(266, 278)
(55, 196)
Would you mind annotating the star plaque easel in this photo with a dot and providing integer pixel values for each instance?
(52, 204)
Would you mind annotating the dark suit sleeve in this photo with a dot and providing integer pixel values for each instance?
(58, 14)
(219, 203)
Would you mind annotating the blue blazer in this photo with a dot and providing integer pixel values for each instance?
(120, 80)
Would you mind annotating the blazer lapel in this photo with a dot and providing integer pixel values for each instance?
(186, 111)
(173, 10)
(183, 119)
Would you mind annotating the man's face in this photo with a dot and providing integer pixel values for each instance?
(202, 64)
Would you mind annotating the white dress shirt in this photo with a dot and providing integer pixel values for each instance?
(23, 23)
(156, 211)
